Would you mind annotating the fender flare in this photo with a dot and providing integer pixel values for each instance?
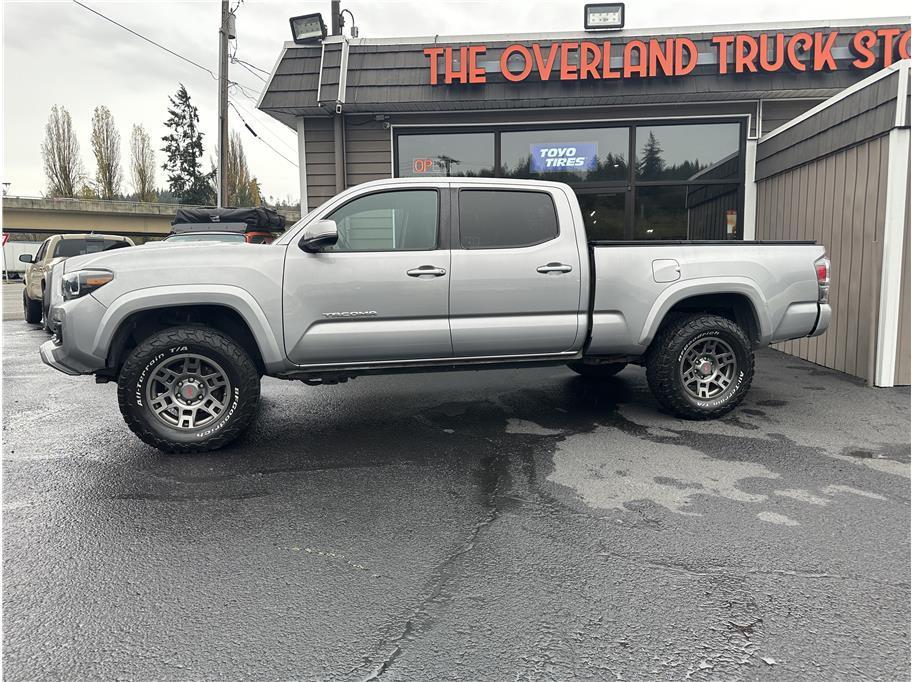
(680, 291)
(229, 296)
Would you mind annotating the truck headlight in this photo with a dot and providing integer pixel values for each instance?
(82, 282)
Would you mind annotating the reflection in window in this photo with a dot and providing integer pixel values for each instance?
(468, 155)
(688, 152)
(581, 155)
(500, 219)
(603, 215)
(388, 221)
(686, 212)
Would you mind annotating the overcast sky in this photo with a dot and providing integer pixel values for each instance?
(59, 53)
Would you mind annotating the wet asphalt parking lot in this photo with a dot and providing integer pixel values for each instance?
(510, 524)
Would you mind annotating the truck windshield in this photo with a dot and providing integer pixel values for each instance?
(67, 248)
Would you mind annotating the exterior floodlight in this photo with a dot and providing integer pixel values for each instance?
(604, 16)
(308, 28)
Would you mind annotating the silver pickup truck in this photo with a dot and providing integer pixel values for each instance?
(422, 275)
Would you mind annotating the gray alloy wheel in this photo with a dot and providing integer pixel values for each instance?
(707, 367)
(188, 391)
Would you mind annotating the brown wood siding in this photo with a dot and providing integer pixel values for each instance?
(838, 201)
(903, 372)
(321, 160)
(368, 154)
(860, 116)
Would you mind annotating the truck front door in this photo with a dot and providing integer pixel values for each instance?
(380, 293)
(516, 275)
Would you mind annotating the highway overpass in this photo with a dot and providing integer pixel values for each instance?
(34, 219)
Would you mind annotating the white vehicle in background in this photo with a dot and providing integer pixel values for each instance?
(13, 268)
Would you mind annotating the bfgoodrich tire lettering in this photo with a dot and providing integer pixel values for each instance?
(211, 351)
(709, 347)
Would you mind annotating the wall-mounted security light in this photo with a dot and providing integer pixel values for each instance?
(604, 16)
(307, 28)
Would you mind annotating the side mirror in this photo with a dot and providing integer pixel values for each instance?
(26, 258)
(319, 234)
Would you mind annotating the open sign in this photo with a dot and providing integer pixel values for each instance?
(423, 165)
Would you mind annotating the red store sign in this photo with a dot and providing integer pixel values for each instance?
(733, 53)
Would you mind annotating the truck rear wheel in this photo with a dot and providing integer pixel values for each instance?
(603, 371)
(700, 366)
(188, 389)
(31, 309)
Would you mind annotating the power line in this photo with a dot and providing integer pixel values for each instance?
(264, 121)
(243, 88)
(148, 40)
(244, 66)
(241, 61)
(254, 133)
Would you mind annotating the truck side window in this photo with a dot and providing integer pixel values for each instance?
(404, 220)
(41, 251)
(503, 219)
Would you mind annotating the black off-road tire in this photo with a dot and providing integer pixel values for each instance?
(603, 371)
(664, 372)
(31, 309)
(241, 401)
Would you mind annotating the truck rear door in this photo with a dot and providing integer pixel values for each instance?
(516, 276)
(380, 293)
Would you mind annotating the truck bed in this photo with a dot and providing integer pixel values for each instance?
(635, 284)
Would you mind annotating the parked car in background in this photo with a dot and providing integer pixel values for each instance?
(256, 225)
(13, 268)
(426, 275)
(53, 250)
(238, 233)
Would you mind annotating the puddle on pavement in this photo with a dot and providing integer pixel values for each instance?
(609, 468)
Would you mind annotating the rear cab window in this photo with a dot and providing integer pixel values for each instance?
(505, 219)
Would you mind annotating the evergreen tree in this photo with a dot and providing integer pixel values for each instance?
(184, 149)
(651, 164)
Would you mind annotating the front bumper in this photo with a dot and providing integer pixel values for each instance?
(75, 324)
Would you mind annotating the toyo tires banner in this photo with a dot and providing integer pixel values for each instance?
(565, 156)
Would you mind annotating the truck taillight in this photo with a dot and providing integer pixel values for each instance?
(823, 280)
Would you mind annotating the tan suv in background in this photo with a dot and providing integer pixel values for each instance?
(53, 250)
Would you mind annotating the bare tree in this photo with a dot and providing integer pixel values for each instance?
(142, 164)
(60, 151)
(106, 147)
(243, 190)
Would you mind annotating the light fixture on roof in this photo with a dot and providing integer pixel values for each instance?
(307, 28)
(604, 16)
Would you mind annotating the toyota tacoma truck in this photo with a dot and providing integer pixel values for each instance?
(418, 275)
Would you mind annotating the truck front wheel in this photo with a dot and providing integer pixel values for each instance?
(700, 366)
(188, 389)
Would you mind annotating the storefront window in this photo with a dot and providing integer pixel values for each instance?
(688, 152)
(603, 215)
(577, 155)
(449, 155)
(634, 180)
(686, 212)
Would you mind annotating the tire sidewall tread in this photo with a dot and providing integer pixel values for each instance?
(663, 360)
(242, 372)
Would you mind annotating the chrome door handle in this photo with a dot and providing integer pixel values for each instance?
(426, 270)
(554, 267)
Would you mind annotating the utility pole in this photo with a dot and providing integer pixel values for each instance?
(222, 168)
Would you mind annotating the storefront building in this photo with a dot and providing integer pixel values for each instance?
(657, 131)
